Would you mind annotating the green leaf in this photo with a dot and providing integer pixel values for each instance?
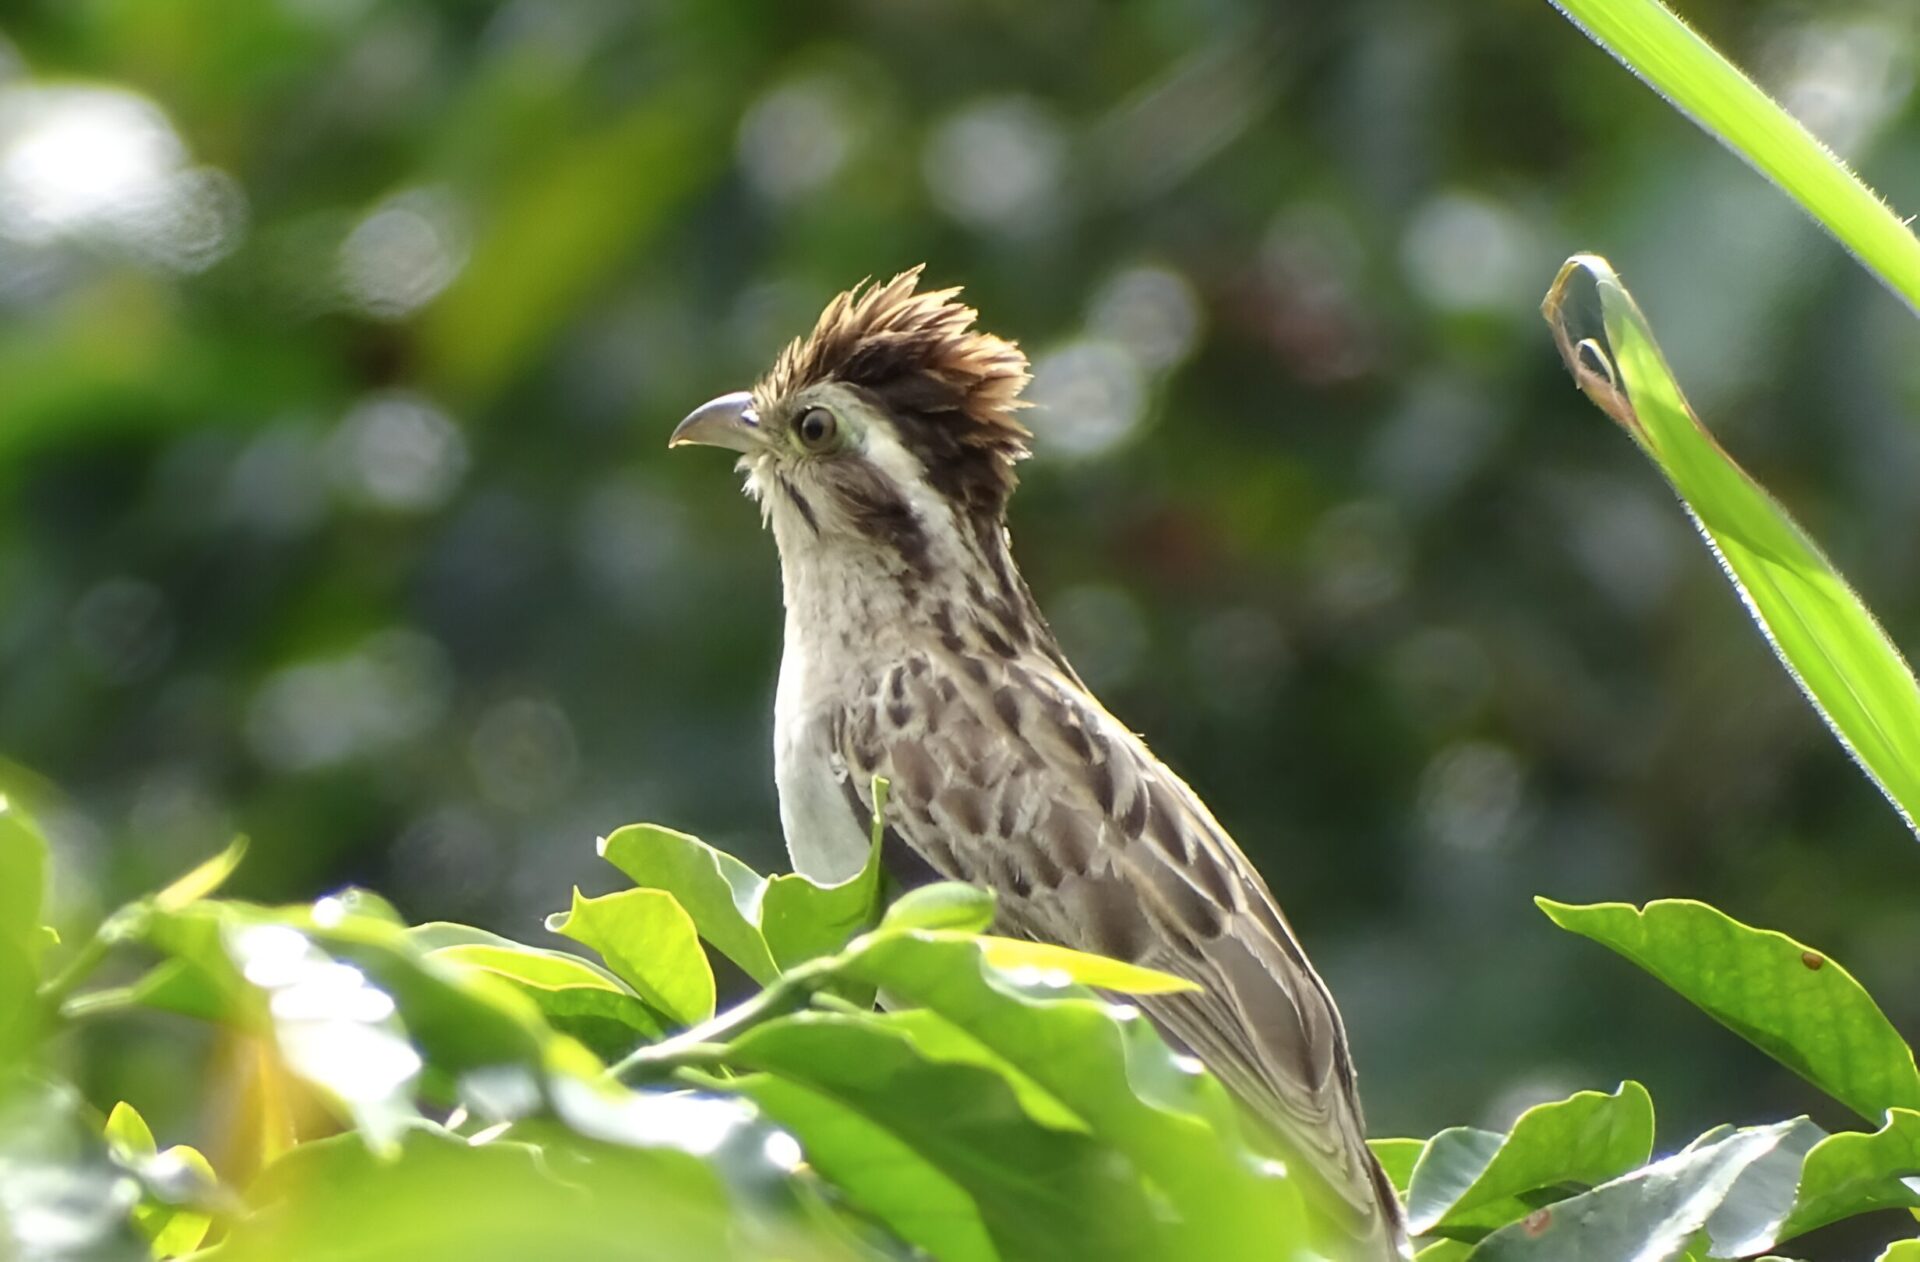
(1039, 960)
(23, 874)
(333, 1027)
(353, 1004)
(1792, 1002)
(1040, 1193)
(721, 893)
(175, 1181)
(204, 880)
(127, 1133)
(1842, 1175)
(175, 1230)
(803, 921)
(1444, 1251)
(571, 994)
(1748, 1218)
(441, 1197)
(1901, 1251)
(937, 1039)
(1584, 1140)
(1651, 1215)
(875, 1170)
(1686, 70)
(943, 905)
(1823, 634)
(1106, 1065)
(1397, 1157)
(23, 879)
(649, 940)
(437, 934)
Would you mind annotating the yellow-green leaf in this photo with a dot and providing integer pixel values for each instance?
(649, 940)
(1011, 955)
(1398, 1157)
(128, 1135)
(204, 879)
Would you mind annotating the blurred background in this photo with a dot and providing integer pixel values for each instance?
(340, 339)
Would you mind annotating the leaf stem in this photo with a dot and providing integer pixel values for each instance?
(705, 1044)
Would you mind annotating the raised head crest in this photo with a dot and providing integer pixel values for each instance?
(953, 389)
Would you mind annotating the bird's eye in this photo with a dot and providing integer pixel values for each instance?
(817, 429)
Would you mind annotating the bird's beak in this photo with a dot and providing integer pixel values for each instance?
(728, 421)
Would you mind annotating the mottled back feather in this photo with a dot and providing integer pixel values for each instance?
(1006, 774)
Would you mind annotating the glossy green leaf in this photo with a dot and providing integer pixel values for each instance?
(1792, 1002)
(942, 905)
(875, 1170)
(1824, 636)
(573, 996)
(1040, 1193)
(649, 940)
(1842, 1175)
(1901, 1251)
(720, 893)
(937, 1039)
(1397, 1157)
(1650, 1215)
(1106, 1064)
(438, 934)
(1584, 1140)
(1685, 69)
(802, 920)
(1748, 1218)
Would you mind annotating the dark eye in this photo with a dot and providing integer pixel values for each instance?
(817, 429)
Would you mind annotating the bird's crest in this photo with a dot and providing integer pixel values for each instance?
(920, 355)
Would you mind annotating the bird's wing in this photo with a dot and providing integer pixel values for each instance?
(1005, 775)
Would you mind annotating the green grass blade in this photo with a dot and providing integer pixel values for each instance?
(1823, 634)
(1664, 51)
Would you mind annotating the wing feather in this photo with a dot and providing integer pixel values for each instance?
(1011, 777)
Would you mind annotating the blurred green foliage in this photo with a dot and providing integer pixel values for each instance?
(339, 340)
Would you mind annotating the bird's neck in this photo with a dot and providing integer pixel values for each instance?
(853, 606)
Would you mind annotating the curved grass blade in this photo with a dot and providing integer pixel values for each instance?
(1656, 45)
(1822, 633)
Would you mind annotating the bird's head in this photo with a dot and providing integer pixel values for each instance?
(890, 428)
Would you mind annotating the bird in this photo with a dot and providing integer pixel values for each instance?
(882, 450)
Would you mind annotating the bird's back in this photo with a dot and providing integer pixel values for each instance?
(1006, 773)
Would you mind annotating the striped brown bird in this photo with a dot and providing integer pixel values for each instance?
(881, 449)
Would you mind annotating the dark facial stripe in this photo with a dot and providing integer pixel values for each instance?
(879, 511)
(800, 502)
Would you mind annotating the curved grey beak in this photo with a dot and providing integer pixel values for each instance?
(728, 421)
